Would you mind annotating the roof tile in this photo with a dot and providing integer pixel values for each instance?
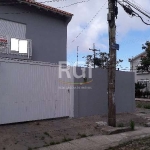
(55, 10)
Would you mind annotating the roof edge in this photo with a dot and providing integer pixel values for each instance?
(46, 7)
(137, 56)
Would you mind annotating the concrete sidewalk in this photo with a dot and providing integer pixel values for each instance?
(100, 142)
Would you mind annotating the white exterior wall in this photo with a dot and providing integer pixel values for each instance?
(30, 91)
(138, 76)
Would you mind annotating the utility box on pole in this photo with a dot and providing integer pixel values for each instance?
(112, 7)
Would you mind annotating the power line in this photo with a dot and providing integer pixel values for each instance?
(74, 4)
(52, 1)
(41, 2)
(89, 22)
(56, 1)
(19, 2)
(131, 12)
(140, 7)
(135, 7)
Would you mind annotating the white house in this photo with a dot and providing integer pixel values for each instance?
(143, 77)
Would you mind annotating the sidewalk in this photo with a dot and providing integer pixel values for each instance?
(100, 142)
(142, 99)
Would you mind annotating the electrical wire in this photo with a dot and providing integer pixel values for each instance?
(135, 7)
(140, 7)
(74, 4)
(51, 1)
(43, 2)
(141, 19)
(131, 12)
(89, 22)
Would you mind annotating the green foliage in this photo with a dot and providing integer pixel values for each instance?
(120, 125)
(101, 60)
(52, 143)
(82, 135)
(132, 125)
(66, 139)
(138, 90)
(46, 133)
(145, 60)
(146, 106)
(139, 86)
(139, 105)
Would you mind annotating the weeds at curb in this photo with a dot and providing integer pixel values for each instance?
(132, 125)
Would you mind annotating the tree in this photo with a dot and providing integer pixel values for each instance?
(138, 89)
(101, 60)
(145, 60)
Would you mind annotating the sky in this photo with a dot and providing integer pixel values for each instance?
(89, 25)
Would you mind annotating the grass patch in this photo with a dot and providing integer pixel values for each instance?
(82, 135)
(42, 138)
(139, 105)
(66, 139)
(52, 143)
(29, 148)
(132, 125)
(91, 135)
(46, 145)
(47, 134)
(146, 106)
(120, 125)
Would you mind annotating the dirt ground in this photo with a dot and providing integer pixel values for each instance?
(32, 135)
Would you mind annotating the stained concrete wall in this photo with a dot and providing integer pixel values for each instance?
(91, 99)
(48, 31)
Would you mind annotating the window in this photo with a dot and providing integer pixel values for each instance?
(23, 46)
(15, 34)
(20, 46)
(14, 44)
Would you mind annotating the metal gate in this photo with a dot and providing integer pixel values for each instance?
(32, 91)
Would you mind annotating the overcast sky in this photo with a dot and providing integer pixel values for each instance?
(131, 32)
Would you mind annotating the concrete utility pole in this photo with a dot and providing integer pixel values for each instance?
(112, 62)
(94, 50)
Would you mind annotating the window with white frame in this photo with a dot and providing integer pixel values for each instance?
(20, 46)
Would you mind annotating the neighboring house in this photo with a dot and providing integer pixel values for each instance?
(143, 77)
(33, 31)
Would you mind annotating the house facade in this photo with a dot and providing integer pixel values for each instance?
(142, 77)
(33, 31)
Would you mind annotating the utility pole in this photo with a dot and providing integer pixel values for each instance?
(132, 63)
(112, 7)
(77, 55)
(94, 50)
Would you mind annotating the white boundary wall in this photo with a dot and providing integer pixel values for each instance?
(31, 91)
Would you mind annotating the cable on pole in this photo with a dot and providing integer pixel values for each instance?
(131, 12)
